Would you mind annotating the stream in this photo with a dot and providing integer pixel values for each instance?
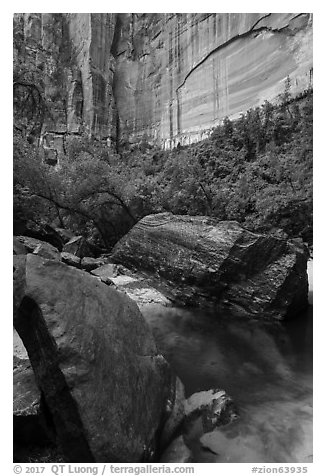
(265, 367)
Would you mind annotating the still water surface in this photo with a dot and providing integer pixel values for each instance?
(266, 368)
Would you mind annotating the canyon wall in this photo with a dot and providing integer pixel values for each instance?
(169, 78)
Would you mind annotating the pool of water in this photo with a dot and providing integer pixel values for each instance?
(265, 367)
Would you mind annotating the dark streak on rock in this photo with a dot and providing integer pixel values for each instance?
(253, 29)
(42, 351)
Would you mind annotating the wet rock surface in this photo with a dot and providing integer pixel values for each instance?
(214, 408)
(77, 333)
(138, 286)
(202, 428)
(205, 260)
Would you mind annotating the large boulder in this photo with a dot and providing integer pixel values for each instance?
(104, 382)
(206, 260)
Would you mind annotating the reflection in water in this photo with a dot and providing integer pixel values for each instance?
(265, 367)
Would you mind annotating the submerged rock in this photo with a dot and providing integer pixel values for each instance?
(104, 382)
(214, 407)
(203, 259)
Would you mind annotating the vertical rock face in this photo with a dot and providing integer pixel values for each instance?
(74, 51)
(186, 72)
(90, 95)
(168, 78)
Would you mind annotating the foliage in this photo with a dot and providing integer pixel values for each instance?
(256, 170)
(88, 193)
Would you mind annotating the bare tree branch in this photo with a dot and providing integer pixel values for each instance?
(112, 194)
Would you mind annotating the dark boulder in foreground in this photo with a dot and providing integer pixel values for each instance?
(107, 388)
(241, 272)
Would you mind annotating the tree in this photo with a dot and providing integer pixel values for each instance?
(86, 193)
(285, 97)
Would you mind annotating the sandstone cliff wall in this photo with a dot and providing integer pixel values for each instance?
(169, 78)
(186, 72)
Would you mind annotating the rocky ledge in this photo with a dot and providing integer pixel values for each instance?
(200, 260)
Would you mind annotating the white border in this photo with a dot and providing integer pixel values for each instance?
(319, 11)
